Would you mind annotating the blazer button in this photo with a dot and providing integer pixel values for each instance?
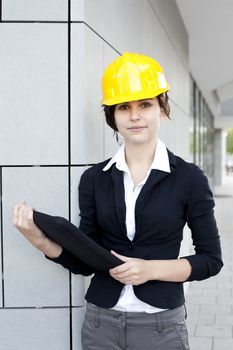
(131, 246)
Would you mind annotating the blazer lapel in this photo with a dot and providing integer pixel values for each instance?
(119, 195)
(155, 177)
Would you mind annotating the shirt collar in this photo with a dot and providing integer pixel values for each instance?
(160, 161)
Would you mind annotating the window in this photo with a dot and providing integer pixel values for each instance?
(201, 132)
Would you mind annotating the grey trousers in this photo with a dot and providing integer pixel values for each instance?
(106, 329)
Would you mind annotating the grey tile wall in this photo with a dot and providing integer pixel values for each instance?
(118, 22)
(110, 144)
(33, 90)
(174, 25)
(77, 281)
(37, 329)
(77, 318)
(38, 281)
(78, 290)
(159, 45)
(35, 10)
(76, 172)
(77, 10)
(86, 147)
(1, 301)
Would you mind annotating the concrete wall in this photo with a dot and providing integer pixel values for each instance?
(52, 128)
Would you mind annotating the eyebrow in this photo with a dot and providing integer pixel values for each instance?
(144, 99)
(147, 99)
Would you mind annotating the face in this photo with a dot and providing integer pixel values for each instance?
(139, 121)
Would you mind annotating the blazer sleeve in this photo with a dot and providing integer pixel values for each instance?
(88, 224)
(207, 260)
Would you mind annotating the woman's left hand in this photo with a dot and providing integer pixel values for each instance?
(134, 271)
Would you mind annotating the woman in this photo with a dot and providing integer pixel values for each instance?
(136, 205)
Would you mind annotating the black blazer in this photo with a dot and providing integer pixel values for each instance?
(165, 204)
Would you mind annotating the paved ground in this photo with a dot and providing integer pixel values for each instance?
(210, 302)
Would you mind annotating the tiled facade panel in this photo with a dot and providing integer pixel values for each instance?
(35, 329)
(1, 301)
(77, 281)
(77, 10)
(33, 90)
(29, 278)
(119, 22)
(77, 321)
(76, 172)
(157, 44)
(35, 10)
(110, 143)
(173, 24)
(87, 131)
(78, 290)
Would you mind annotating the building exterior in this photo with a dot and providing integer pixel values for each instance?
(52, 55)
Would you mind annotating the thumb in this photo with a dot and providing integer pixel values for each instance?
(121, 257)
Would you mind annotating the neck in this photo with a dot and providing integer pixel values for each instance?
(140, 154)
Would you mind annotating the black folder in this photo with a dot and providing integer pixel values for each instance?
(75, 241)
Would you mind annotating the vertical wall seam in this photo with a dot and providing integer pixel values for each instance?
(0, 10)
(69, 152)
(69, 92)
(1, 229)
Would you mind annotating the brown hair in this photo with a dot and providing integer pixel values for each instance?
(109, 110)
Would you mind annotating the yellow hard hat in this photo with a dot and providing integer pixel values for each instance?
(132, 77)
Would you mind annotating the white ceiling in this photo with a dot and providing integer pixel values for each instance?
(209, 24)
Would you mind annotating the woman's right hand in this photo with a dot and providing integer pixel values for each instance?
(23, 221)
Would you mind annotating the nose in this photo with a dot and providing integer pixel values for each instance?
(134, 114)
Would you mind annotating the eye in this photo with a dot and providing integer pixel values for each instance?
(123, 107)
(146, 104)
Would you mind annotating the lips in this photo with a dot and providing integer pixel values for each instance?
(137, 128)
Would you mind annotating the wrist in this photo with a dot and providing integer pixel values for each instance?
(153, 269)
(173, 270)
(50, 248)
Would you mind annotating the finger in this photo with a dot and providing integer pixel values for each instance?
(16, 207)
(123, 276)
(28, 213)
(16, 211)
(122, 257)
(123, 281)
(15, 215)
(121, 268)
(126, 281)
(22, 212)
